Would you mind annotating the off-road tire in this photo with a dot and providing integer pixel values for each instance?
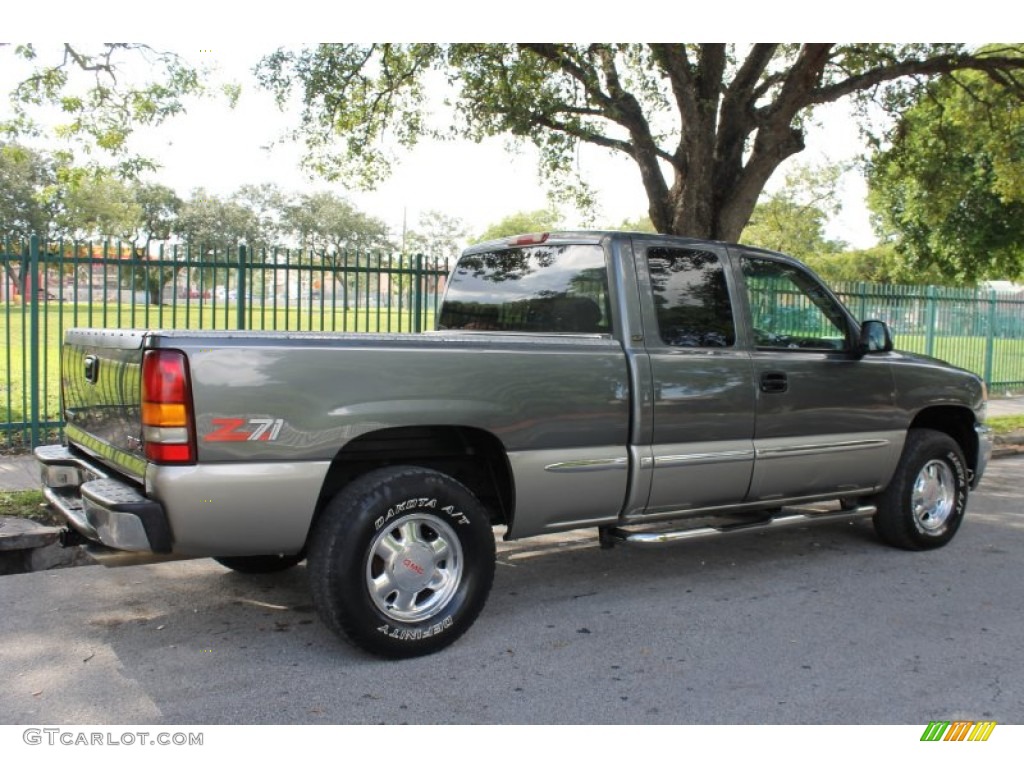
(401, 561)
(925, 502)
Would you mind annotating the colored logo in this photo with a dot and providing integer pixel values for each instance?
(958, 730)
(238, 430)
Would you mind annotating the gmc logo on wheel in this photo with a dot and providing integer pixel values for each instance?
(412, 566)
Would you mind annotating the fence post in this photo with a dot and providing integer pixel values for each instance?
(33, 335)
(929, 331)
(990, 337)
(239, 290)
(417, 294)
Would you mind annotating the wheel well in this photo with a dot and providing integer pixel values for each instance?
(956, 422)
(475, 458)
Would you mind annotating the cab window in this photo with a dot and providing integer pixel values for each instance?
(542, 289)
(691, 298)
(790, 309)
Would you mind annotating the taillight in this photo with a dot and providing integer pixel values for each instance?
(534, 239)
(167, 428)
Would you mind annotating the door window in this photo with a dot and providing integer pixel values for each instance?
(790, 309)
(691, 298)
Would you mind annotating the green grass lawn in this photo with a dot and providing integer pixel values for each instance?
(1006, 425)
(27, 504)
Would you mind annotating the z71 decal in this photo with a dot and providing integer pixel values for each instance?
(237, 430)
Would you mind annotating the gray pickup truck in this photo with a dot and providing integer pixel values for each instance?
(652, 388)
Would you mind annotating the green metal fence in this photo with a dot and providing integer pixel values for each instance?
(977, 329)
(47, 287)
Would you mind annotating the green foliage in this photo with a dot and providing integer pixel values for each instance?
(25, 177)
(212, 227)
(160, 207)
(97, 206)
(522, 222)
(98, 104)
(880, 264)
(437, 235)
(707, 124)
(792, 220)
(326, 222)
(639, 224)
(1006, 425)
(950, 189)
(28, 504)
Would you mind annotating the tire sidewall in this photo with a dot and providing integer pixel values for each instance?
(949, 454)
(382, 499)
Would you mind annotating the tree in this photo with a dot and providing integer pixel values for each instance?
(437, 235)
(159, 209)
(212, 228)
(522, 222)
(792, 220)
(639, 224)
(323, 221)
(949, 191)
(334, 231)
(25, 175)
(98, 205)
(267, 203)
(100, 104)
(879, 264)
(706, 125)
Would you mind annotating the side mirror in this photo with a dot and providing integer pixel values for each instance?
(875, 336)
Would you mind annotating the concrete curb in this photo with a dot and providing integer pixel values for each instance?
(27, 546)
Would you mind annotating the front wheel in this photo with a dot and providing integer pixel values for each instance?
(401, 561)
(924, 504)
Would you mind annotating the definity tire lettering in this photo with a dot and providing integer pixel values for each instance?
(397, 633)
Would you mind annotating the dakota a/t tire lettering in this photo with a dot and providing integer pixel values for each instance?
(393, 570)
(924, 504)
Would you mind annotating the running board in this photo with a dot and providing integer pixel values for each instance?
(612, 535)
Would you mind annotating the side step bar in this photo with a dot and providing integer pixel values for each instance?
(610, 535)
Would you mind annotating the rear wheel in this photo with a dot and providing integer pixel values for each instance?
(401, 561)
(924, 504)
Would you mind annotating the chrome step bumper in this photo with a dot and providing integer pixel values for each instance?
(102, 508)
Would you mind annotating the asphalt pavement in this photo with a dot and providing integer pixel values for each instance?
(818, 624)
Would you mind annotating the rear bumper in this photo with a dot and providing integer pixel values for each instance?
(104, 509)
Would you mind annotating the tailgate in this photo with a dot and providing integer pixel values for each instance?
(101, 391)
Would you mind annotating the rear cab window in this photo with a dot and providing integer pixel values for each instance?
(559, 288)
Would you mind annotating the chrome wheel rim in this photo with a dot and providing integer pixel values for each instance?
(414, 568)
(933, 496)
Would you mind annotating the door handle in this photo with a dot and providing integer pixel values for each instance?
(774, 382)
